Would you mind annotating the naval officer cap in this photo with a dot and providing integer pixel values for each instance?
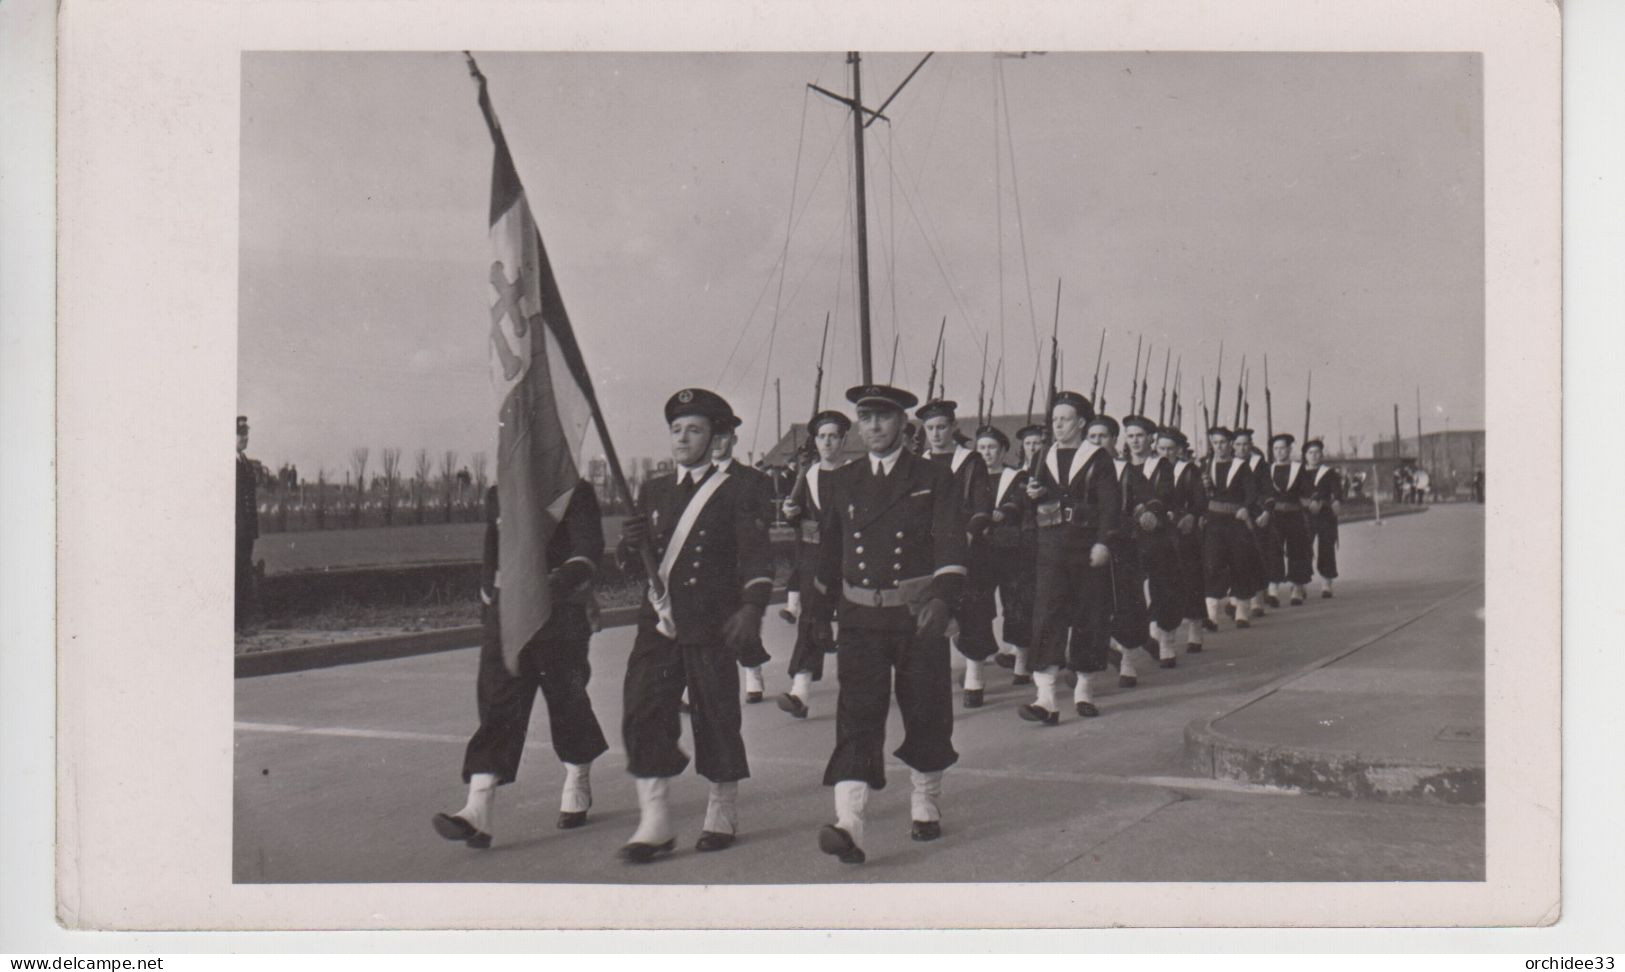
(1085, 410)
(992, 432)
(1221, 432)
(829, 417)
(1030, 430)
(939, 406)
(1140, 422)
(706, 404)
(881, 396)
(1286, 437)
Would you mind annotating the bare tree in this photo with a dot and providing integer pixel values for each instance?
(420, 482)
(448, 479)
(321, 498)
(477, 460)
(392, 481)
(358, 465)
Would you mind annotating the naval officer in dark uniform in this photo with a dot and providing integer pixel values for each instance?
(554, 663)
(804, 510)
(894, 552)
(1077, 504)
(753, 655)
(709, 535)
(248, 526)
(971, 634)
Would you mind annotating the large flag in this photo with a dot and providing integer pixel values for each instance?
(546, 398)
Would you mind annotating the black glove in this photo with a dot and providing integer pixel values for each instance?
(635, 529)
(742, 627)
(569, 578)
(933, 619)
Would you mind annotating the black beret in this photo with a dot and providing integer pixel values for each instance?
(1221, 430)
(242, 424)
(1106, 422)
(940, 406)
(1085, 410)
(1027, 430)
(1286, 437)
(1140, 422)
(707, 404)
(1314, 444)
(1169, 432)
(861, 395)
(1239, 432)
(992, 432)
(825, 417)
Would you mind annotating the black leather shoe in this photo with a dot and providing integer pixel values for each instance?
(1209, 625)
(571, 819)
(973, 698)
(638, 852)
(1243, 623)
(751, 698)
(1127, 681)
(1039, 714)
(1087, 710)
(834, 840)
(1168, 662)
(1326, 593)
(787, 616)
(1194, 648)
(789, 703)
(925, 830)
(1021, 680)
(1296, 602)
(711, 840)
(1005, 660)
(1272, 600)
(456, 828)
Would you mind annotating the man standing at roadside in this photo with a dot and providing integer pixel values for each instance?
(894, 554)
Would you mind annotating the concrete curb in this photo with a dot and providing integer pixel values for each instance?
(280, 661)
(1330, 773)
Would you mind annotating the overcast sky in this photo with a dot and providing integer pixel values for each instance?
(1323, 209)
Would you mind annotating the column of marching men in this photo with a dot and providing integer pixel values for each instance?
(1101, 545)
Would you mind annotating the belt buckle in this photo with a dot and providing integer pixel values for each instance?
(880, 598)
(1066, 515)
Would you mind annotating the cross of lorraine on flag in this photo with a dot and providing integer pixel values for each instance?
(545, 399)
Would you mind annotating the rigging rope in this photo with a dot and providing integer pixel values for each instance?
(1021, 228)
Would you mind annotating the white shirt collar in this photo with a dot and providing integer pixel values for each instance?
(684, 473)
(883, 465)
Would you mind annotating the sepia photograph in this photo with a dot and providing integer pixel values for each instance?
(934, 467)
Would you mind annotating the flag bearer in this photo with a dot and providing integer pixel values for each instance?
(972, 631)
(1325, 505)
(894, 553)
(804, 509)
(1077, 504)
(554, 663)
(709, 533)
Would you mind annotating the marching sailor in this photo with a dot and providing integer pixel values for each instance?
(1159, 513)
(1077, 504)
(972, 631)
(1006, 548)
(753, 655)
(554, 662)
(804, 509)
(1129, 620)
(893, 551)
(709, 531)
(1227, 529)
(1013, 509)
(1291, 520)
(1325, 505)
(1190, 491)
(1260, 565)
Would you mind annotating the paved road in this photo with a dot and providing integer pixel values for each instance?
(338, 770)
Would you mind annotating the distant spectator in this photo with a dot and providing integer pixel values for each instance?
(1478, 486)
(248, 525)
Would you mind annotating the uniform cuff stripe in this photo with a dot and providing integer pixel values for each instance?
(950, 569)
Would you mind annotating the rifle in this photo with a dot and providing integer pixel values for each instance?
(981, 389)
(1100, 406)
(1134, 379)
(1145, 381)
(1269, 412)
(1307, 401)
(1218, 386)
(1094, 387)
(1054, 352)
(1247, 400)
(993, 389)
(1207, 422)
(931, 382)
(1238, 390)
(1162, 399)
